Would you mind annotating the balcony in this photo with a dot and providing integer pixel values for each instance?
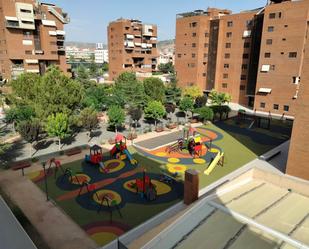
(12, 22)
(38, 52)
(61, 48)
(63, 17)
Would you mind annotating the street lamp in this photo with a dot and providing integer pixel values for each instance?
(45, 180)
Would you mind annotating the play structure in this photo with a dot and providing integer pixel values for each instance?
(190, 140)
(218, 160)
(95, 155)
(56, 165)
(120, 150)
(145, 187)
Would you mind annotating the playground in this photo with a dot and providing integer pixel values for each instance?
(218, 149)
(110, 192)
(107, 194)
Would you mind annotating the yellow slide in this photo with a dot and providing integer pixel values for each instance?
(214, 163)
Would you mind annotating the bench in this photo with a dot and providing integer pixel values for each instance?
(73, 151)
(22, 166)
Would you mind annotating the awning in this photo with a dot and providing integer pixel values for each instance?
(49, 23)
(264, 90)
(130, 36)
(60, 32)
(52, 33)
(31, 61)
(247, 33)
(11, 18)
(33, 70)
(138, 44)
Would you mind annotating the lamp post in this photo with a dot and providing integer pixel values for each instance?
(45, 180)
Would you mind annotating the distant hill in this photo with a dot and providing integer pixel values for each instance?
(167, 45)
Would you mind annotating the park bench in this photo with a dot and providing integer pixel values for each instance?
(73, 151)
(22, 166)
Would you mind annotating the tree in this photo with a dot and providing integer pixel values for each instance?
(96, 97)
(116, 116)
(192, 91)
(136, 114)
(154, 110)
(173, 93)
(200, 101)
(154, 89)
(3, 146)
(129, 90)
(170, 108)
(57, 125)
(57, 94)
(18, 114)
(205, 113)
(83, 77)
(30, 131)
(89, 120)
(105, 67)
(26, 86)
(93, 67)
(166, 67)
(219, 98)
(186, 104)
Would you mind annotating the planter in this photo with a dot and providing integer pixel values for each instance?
(132, 136)
(111, 141)
(160, 129)
(171, 126)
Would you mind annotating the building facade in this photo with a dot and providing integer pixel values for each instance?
(132, 46)
(100, 54)
(31, 37)
(256, 56)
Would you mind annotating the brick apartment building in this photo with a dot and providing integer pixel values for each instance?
(132, 46)
(31, 37)
(256, 56)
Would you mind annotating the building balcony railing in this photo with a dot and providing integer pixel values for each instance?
(63, 17)
(38, 52)
(12, 24)
(61, 48)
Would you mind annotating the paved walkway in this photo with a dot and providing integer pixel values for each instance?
(55, 227)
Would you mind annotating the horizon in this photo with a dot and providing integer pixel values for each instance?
(91, 26)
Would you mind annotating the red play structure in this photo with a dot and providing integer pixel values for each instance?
(145, 187)
(95, 156)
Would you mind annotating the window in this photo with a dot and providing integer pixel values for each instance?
(247, 45)
(226, 65)
(206, 34)
(228, 45)
(270, 28)
(206, 45)
(193, 34)
(245, 56)
(272, 67)
(204, 74)
(225, 76)
(224, 85)
(27, 34)
(276, 107)
(193, 55)
(272, 15)
(243, 77)
(25, 11)
(283, 39)
(280, 14)
(262, 105)
(286, 25)
(127, 28)
(205, 55)
(227, 56)
(193, 24)
(267, 55)
(230, 23)
(244, 66)
(229, 34)
(292, 54)
(249, 23)
(28, 52)
(179, 55)
(242, 87)
(193, 45)
(53, 52)
(296, 80)
(269, 41)
(286, 108)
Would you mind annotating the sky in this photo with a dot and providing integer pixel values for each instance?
(90, 18)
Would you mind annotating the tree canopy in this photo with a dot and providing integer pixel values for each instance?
(192, 91)
(154, 89)
(116, 116)
(166, 67)
(219, 98)
(154, 110)
(89, 119)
